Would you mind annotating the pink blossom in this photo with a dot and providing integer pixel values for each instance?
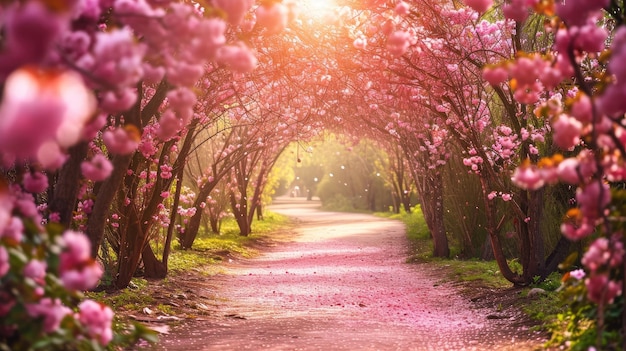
(40, 108)
(52, 311)
(600, 289)
(527, 177)
(181, 101)
(492, 195)
(398, 43)
(507, 197)
(139, 8)
(593, 198)
(78, 270)
(30, 30)
(182, 73)
(479, 6)
(402, 8)
(604, 253)
(577, 229)
(35, 270)
(97, 318)
(81, 279)
(576, 12)
(360, 43)
(94, 126)
(273, 17)
(35, 182)
(567, 131)
(119, 57)
(25, 204)
(97, 169)
(152, 74)
(516, 10)
(86, 205)
(121, 141)
(147, 147)
(165, 194)
(50, 156)
(166, 171)
(169, 126)
(4, 261)
(577, 274)
(567, 171)
(77, 249)
(591, 37)
(54, 217)
(118, 101)
(235, 9)
(238, 58)
(88, 10)
(496, 75)
(582, 109)
(213, 38)
(6, 208)
(13, 230)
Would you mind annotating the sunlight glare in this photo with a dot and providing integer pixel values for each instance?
(316, 8)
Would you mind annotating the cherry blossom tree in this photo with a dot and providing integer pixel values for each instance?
(587, 125)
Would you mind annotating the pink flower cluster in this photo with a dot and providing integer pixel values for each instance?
(603, 255)
(59, 104)
(78, 271)
(97, 319)
(530, 76)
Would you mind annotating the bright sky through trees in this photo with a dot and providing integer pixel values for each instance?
(316, 10)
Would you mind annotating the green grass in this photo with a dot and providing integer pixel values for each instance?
(208, 249)
(131, 299)
(484, 272)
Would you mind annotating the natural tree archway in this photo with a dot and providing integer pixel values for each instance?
(105, 103)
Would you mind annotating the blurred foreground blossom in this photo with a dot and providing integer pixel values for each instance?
(43, 113)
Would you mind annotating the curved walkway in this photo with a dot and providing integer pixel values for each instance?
(342, 284)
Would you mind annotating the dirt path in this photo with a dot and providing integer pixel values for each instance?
(342, 284)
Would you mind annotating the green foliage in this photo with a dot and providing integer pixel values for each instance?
(551, 283)
(464, 213)
(330, 167)
(544, 308)
(336, 202)
(43, 312)
(578, 328)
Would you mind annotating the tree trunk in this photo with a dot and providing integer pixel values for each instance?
(214, 221)
(68, 185)
(153, 268)
(493, 230)
(167, 247)
(535, 262)
(259, 212)
(132, 243)
(104, 199)
(193, 225)
(431, 194)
